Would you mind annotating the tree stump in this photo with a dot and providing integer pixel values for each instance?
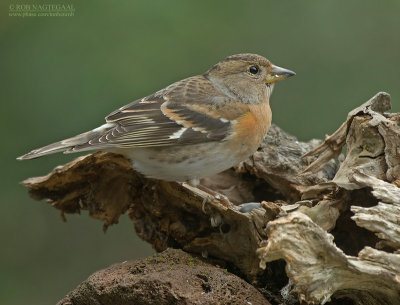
(313, 230)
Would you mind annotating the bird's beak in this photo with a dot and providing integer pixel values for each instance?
(277, 74)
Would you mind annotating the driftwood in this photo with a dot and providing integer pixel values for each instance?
(337, 229)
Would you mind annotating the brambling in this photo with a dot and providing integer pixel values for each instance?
(194, 128)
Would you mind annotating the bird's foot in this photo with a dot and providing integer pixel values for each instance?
(215, 195)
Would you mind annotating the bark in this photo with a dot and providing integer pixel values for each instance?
(336, 228)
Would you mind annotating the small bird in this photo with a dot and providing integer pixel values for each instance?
(193, 128)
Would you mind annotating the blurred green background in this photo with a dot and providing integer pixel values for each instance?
(61, 75)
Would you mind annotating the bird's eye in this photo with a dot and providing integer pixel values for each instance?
(253, 69)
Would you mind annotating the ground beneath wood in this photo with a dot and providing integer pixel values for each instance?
(170, 277)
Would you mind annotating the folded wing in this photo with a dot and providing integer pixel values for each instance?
(186, 112)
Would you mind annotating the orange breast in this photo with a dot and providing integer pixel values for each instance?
(251, 128)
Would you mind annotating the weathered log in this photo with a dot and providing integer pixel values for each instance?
(302, 199)
(383, 218)
(170, 214)
(318, 269)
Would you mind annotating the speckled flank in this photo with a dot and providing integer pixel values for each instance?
(174, 164)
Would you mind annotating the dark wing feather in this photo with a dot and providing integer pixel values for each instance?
(178, 114)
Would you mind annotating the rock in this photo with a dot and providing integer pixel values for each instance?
(170, 277)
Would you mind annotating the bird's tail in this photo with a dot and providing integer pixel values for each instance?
(69, 145)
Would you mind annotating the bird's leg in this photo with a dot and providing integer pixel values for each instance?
(221, 198)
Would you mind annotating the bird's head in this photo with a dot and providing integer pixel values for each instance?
(250, 77)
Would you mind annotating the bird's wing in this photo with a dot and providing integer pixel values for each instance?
(187, 112)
